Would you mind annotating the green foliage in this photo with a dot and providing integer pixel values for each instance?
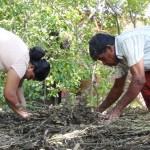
(36, 20)
(33, 90)
(136, 10)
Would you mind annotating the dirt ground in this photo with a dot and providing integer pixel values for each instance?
(65, 128)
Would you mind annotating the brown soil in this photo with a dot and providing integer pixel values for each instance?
(64, 128)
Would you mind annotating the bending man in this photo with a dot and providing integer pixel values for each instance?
(129, 51)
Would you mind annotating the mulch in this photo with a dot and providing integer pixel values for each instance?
(66, 127)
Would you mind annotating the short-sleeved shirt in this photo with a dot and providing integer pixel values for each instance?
(14, 53)
(130, 47)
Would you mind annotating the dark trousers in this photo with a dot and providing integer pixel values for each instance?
(146, 90)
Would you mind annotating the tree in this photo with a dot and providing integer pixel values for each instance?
(50, 23)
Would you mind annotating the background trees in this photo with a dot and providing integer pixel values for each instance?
(63, 28)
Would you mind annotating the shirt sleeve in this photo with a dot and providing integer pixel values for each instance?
(21, 65)
(133, 49)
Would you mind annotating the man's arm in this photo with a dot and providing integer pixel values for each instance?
(136, 84)
(114, 94)
(11, 86)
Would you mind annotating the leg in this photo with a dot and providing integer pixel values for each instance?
(146, 90)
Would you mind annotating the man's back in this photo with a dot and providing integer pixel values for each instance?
(130, 47)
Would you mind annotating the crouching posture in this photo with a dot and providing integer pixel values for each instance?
(20, 62)
(129, 51)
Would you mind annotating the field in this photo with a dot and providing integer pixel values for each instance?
(78, 128)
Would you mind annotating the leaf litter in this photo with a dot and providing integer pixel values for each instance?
(74, 128)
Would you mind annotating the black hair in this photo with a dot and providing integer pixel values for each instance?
(98, 43)
(41, 66)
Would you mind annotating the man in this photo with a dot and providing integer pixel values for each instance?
(129, 51)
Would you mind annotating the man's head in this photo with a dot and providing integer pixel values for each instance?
(102, 48)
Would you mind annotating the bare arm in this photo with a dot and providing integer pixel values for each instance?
(11, 86)
(114, 93)
(136, 84)
(20, 94)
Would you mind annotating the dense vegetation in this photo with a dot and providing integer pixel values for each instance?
(63, 28)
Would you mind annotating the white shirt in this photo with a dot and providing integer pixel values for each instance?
(130, 47)
(14, 53)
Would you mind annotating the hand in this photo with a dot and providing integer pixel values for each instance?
(25, 115)
(20, 107)
(19, 110)
(110, 116)
(22, 111)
